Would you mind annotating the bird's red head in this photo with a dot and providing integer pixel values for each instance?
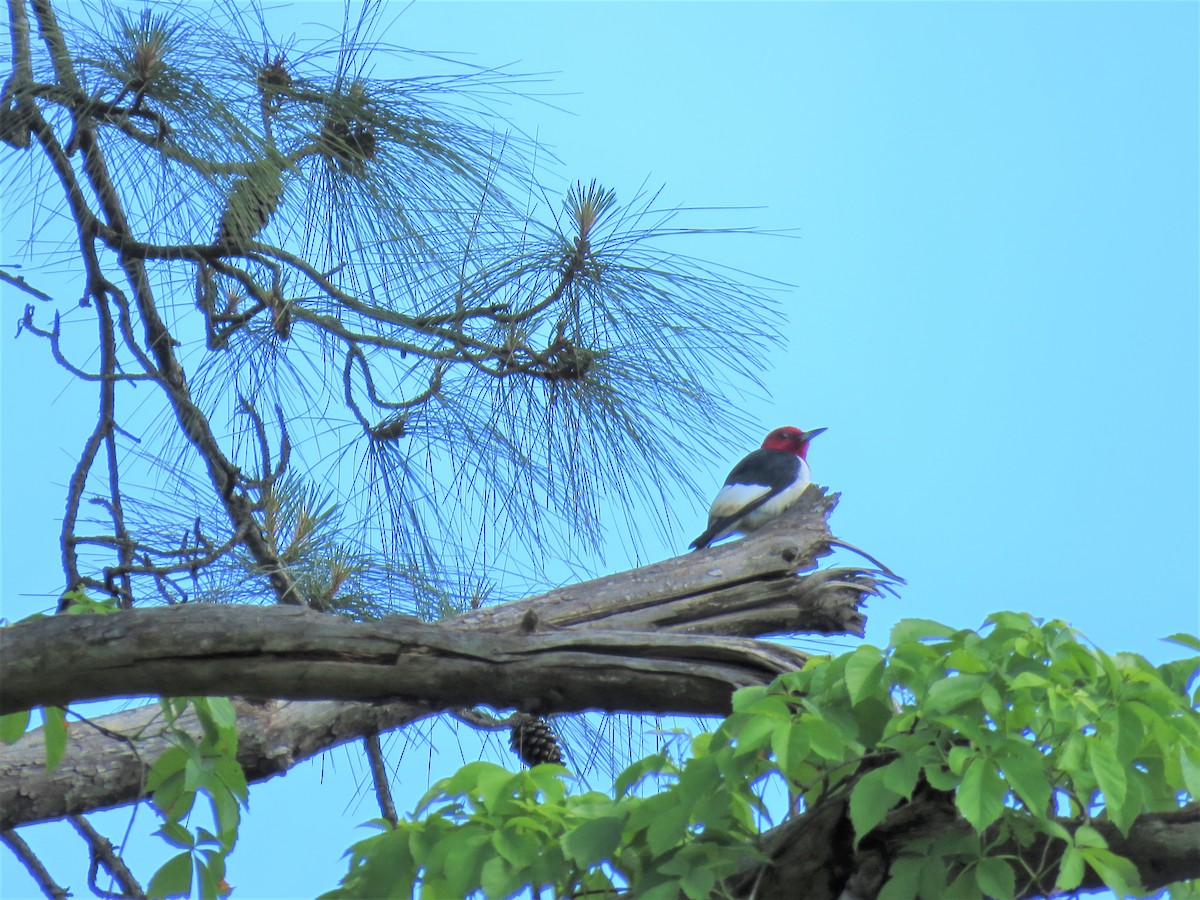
(790, 440)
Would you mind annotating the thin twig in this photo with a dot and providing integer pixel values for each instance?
(383, 791)
(837, 542)
(477, 718)
(102, 853)
(33, 865)
(19, 281)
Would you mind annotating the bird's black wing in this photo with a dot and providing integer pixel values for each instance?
(773, 469)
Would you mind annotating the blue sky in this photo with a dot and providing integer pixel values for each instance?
(992, 254)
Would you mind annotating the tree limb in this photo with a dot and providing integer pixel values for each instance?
(816, 849)
(742, 588)
(297, 654)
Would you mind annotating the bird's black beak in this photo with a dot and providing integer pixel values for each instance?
(809, 435)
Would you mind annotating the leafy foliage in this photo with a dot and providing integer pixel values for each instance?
(1024, 725)
(176, 778)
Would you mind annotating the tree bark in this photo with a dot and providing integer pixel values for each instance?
(816, 849)
(296, 654)
(601, 638)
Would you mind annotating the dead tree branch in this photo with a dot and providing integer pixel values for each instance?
(743, 588)
(296, 654)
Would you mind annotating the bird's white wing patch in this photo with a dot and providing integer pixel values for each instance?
(733, 497)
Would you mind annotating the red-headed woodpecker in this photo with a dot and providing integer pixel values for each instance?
(761, 486)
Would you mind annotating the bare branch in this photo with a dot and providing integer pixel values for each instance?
(746, 586)
(33, 865)
(101, 851)
(19, 282)
(201, 649)
(379, 776)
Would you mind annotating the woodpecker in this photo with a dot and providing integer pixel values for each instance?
(761, 486)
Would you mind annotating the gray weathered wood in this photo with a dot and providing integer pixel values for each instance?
(646, 632)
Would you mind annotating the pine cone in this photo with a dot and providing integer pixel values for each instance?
(251, 202)
(534, 742)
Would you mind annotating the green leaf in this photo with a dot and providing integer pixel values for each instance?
(386, 870)
(176, 835)
(904, 877)
(168, 765)
(1013, 621)
(745, 696)
(918, 629)
(900, 775)
(996, 879)
(13, 726)
(228, 771)
(497, 878)
(864, 673)
(1189, 769)
(173, 879)
(1118, 873)
(941, 778)
(78, 603)
(966, 662)
(226, 813)
(55, 733)
(698, 882)
(1087, 836)
(757, 734)
(549, 778)
(1184, 640)
(776, 706)
(210, 878)
(668, 827)
(870, 801)
(1029, 680)
(963, 887)
(790, 744)
(960, 757)
(650, 765)
(222, 712)
(516, 845)
(1026, 774)
(1130, 734)
(1109, 774)
(825, 739)
(1070, 870)
(455, 860)
(950, 693)
(665, 891)
(934, 875)
(593, 841)
(980, 796)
